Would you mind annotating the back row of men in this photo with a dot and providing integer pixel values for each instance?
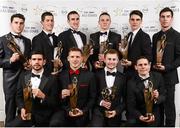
(14, 48)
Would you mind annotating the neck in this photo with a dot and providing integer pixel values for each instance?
(74, 68)
(37, 71)
(110, 69)
(47, 31)
(165, 29)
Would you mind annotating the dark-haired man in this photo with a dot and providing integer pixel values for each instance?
(104, 34)
(12, 62)
(46, 40)
(170, 61)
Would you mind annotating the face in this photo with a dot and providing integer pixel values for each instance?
(166, 19)
(142, 67)
(75, 59)
(135, 22)
(111, 61)
(17, 25)
(74, 21)
(37, 62)
(104, 22)
(48, 23)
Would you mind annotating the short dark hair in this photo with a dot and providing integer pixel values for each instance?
(112, 51)
(45, 14)
(141, 57)
(104, 13)
(166, 9)
(72, 12)
(17, 15)
(38, 52)
(75, 49)
(136, 12)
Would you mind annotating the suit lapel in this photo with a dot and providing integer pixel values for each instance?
(43, 82)
(27, 77)
(71, 37)
(47, 38)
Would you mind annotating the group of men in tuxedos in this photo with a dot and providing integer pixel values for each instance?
(51, 94)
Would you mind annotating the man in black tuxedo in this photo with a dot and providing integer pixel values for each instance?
(12, 62)
(153, 83)
(84, 92)
(139, 43)
(43, 94)
(72, 37)
(108, 109)
(170, 61)
(104, 34)
(46, 41)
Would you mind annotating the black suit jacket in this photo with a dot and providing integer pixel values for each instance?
(11, 71)
(135, 96)
(86, 90)
(171, 56)
(68, 42)
(113, 40)
(42, 43)
(41, 109)
(118, 103)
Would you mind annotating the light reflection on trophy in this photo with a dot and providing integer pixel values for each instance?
(57, 64)
(108, 94)
(73, 95)
(86, 52)
(104, 46)
(16, 49)
(27, 93)
(161, 44)
(123, 48)
(149, 99)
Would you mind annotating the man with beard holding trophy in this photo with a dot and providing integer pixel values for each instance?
(166, 59)
(111, 93)
(145, 94)
(14, 51)
(43, 94)
(78, 93)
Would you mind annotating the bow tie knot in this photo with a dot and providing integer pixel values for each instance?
(17, 36)
(71, 72)
(111, 73)
(50, 34)
(34, 75)
(74, 31)
(103, 33)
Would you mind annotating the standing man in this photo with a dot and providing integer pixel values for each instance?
(108, 112)
(104, 34)
(43, 95)
(136, 95)
(72, 37)
(139, 43)
(170, 61)
(12, 62)
(46, 41)
(81, 99)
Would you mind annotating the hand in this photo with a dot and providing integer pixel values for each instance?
(79, 113)
(105, 104)
(98, 64)
(65, 93)
(110, 114)
(38, 93)
(156, 94)
(159, 67)
(15, 57)
(57, 63)
(23, 114)
(146, 119)
(125, 62)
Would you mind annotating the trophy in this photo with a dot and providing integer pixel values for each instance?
(86, 53)
(104, 46)
(161, 44)
(108, 94)
(149, 99)
(57, 55)
(73, 95)
(27, 93)
(123, 48)
(16, 49)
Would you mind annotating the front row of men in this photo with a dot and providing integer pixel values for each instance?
(77, 97)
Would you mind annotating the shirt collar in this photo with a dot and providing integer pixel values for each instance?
(39, 73)
(144, 77)
(106, 69)
(136, 31)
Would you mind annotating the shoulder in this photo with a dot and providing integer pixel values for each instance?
(94, 34)
(64, 33)
(114, 34)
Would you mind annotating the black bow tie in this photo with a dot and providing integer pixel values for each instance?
(144, 79)
(50, 34)
(34, 75)
(103, 33)
(17, 36)
(111, 73)
(74, 31)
